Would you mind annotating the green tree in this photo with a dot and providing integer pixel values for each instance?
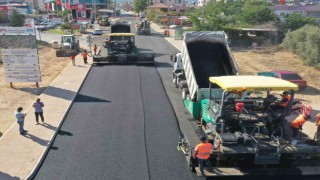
(295, 21)
(305, 42)
(256, 12)
(140, 5)
(17, 19)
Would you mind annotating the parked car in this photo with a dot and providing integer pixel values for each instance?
(97, 32)
(286, 75)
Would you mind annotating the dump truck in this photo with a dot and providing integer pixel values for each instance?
(143, 28)
(68, 46)
(203, 54)
(120, 27)
(120, 47)
(104, 21)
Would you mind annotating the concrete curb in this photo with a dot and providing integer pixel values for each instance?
(46, 150)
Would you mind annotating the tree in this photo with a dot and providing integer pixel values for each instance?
(17, 19)
(295, 21)
(305, 42)
(140, 5)
(256, 12)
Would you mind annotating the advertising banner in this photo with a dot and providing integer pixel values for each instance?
(17, 30)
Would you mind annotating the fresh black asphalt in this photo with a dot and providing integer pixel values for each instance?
(121, 126)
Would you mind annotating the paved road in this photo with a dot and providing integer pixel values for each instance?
(121, 126)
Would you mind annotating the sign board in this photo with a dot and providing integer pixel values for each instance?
(20, 60)
(19, 52)
(73, 27)
(17, 30)
(29, 22)
(22, 73)
(10, 78)
(81, 7)
(21, 68)
(4, 8)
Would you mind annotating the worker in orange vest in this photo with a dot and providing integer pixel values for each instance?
(284, 102)
(297, 124)
(202, 153)
(95, 49)
(85, 57)
(318, 122)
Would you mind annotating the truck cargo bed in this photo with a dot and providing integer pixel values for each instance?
(209, 58)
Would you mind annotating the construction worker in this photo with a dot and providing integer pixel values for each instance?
(318, 122)
(202, 153)
(85, 57)
(95, 49)
(283, 103)
(297, 124)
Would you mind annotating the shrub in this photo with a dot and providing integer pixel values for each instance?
(65, 26)
(305, 42)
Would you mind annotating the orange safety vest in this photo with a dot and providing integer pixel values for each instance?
(318, 120)
(204, 150)
(285, 104)
(299, 121)
(84, 55)
(94, 48)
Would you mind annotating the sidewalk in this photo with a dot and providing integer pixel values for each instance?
(20, 155)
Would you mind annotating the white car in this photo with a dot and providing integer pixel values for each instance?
(97, 32)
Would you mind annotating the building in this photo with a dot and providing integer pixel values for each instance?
(173, 5)
(307, 10)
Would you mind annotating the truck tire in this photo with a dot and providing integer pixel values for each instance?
(185, 92)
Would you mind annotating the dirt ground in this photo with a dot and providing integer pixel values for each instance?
(250, 61)
(23, 94)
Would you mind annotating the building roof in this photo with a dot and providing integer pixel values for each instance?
(296, 8)
(160, 5)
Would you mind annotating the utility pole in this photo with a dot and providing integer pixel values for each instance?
(115, 8)
(203, 1)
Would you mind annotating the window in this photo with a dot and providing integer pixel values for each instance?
(291, 77)
(214, 107)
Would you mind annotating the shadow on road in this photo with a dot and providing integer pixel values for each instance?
(64, 133)
(310, 90)
(84, 98)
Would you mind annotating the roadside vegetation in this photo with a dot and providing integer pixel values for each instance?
(305, 42)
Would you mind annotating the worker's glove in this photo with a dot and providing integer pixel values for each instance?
(300, 127)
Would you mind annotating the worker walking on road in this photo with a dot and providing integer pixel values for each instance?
(73, 59)
(38, 111)
(85, 57)
(202, 153)
(95, 49)
(20, 120)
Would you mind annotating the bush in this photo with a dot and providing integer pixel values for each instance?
(305, 42)
(65, 26)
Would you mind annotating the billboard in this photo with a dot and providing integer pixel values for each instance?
(20, 54)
